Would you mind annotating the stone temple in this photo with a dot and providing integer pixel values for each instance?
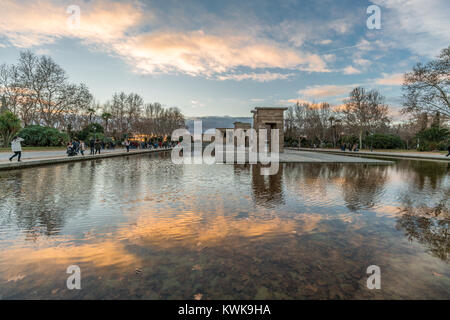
(270, 118)
(263, 118)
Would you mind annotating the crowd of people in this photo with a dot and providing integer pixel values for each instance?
(351, 147)
(346, 146)
(76, 147)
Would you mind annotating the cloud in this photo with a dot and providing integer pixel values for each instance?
(421, 26)
(196, 104)
(395, 79)
(329, 57)
(294, 101)
(260, 77)
(117, 28)
(31, 23)
(324, 91)
(300, 31)
(200, 53)
(324, 42)
(351, 70)
(366, 45)
(362, 62)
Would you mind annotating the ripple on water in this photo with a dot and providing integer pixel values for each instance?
(142, 227)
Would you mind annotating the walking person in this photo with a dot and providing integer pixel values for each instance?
(127, 145)
(92, 145)
(97, 146)
(82, 148)
(448, 154)
(16, 147)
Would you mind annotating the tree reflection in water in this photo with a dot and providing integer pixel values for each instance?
(426, 218)
(310, 231)
(363, 185)
(40, 201)
(428, 226)
(423, 174)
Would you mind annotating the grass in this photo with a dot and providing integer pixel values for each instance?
(31, 149)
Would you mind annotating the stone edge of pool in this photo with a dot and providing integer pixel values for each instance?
(58, 160)
(375, 154)
(50, 161)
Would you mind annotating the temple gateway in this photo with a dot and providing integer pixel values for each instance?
(267, 118)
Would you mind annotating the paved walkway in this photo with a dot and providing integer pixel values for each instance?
(308, 156)
(403, 155)
(38, 158)
(27, 155)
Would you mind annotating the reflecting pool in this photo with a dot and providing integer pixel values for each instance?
(140, 227)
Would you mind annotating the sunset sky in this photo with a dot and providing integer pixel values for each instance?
(226, 57)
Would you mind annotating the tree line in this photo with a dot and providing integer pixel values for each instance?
(37, 91)
(364, 117)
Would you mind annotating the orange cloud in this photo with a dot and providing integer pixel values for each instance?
(116, 27)
(323, 91)
(294, 101)
(351, 70)
(260, 77)
(395, 79)
(31, 23)
(197, 52)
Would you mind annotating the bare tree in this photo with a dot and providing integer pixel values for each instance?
(133, 109)
(316, 121)
(407, 131)
(37, 90)
(364, 111)
(17, 95)
(426, 88)
(117, 108)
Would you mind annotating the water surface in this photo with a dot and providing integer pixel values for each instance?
(140, 227)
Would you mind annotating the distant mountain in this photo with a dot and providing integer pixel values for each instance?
(216, 122)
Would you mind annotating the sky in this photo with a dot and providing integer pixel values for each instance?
(217, 58)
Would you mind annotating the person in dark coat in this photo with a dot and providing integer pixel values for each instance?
(98, 146)
(92, 145)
